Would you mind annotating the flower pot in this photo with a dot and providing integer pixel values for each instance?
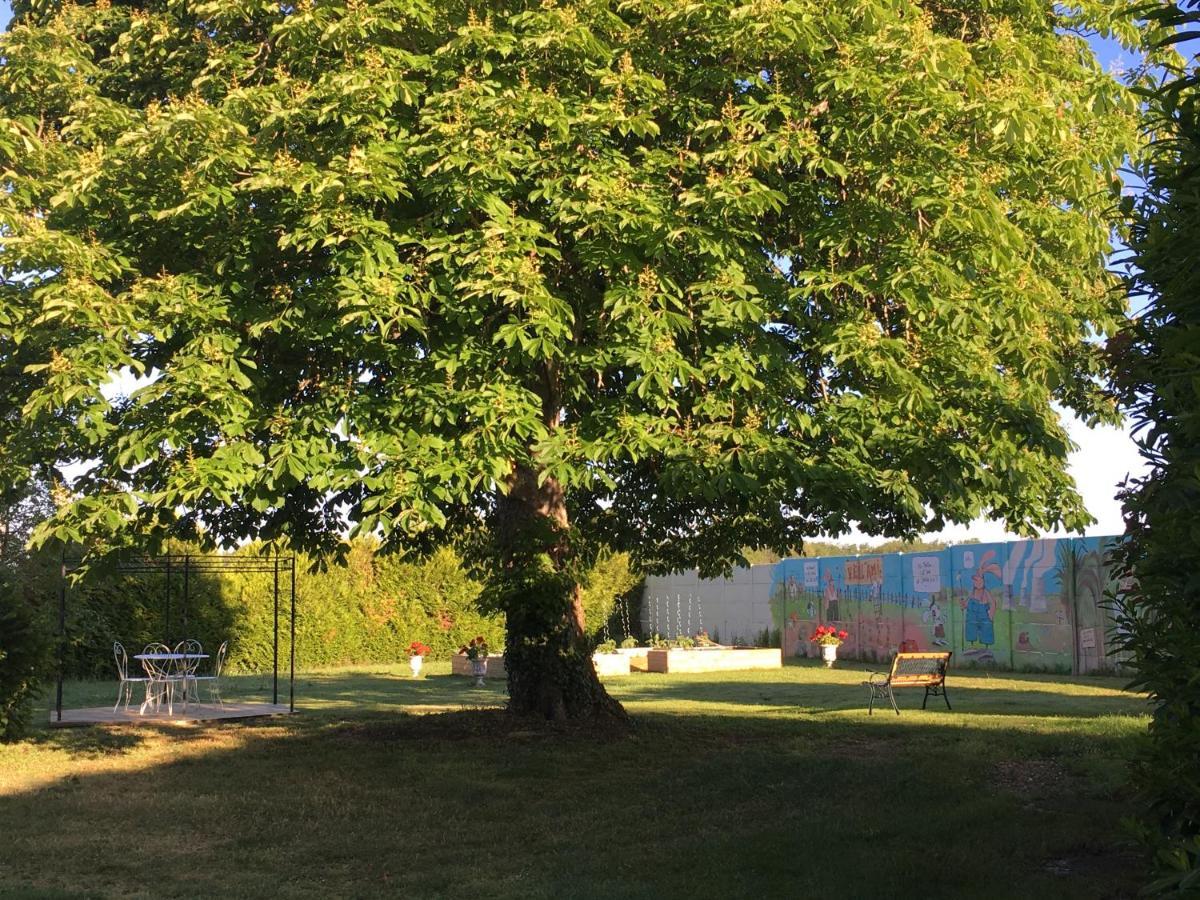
(829, 654)
(479, 670)
(415, 663)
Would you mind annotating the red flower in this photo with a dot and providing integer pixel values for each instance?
(827, 635)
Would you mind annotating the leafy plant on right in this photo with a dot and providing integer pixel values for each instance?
(1158, 365)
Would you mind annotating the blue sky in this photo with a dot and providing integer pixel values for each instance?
(1106, 455)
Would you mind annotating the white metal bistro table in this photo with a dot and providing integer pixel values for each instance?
(166, 657)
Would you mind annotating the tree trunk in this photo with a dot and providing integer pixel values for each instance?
(547, 651)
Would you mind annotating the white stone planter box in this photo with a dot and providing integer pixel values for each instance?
(460, 665)
(716, 659)
(610, 664)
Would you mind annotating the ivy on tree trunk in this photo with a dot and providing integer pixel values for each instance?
(548, 652)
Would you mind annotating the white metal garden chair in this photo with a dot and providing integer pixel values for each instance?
(213, 681)
(163, 679)
(186, 669)
(126, 683)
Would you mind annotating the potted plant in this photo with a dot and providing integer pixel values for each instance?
(476, 651)
(828, 639)
(416, 657)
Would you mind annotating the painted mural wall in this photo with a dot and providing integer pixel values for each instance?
(1026, 605)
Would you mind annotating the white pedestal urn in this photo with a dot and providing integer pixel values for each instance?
(829, 654)
(415, 663)
(479, 670)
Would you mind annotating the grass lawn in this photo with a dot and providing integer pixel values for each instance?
(738, 784)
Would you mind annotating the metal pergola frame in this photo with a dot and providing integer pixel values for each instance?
(186, 565)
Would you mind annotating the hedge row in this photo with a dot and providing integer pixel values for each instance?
(366, 611)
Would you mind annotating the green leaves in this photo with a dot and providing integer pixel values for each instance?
(731, 274)
(1157, 603)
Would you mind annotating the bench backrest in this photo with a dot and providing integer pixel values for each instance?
(919, 668)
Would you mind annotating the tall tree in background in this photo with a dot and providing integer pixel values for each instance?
(675, 277)
(1160, 373)
(23, 506)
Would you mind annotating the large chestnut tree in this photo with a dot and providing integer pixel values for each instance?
(676, 276)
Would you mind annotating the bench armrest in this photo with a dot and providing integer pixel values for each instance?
(879, 678)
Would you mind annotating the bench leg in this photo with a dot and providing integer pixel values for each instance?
(871, 702)
(892, 697)
(934, 691)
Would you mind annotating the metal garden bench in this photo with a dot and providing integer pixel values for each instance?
(927, 670)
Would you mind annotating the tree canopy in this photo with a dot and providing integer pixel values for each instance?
(676, 277)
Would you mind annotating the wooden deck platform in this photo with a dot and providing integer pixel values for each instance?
(196, 712)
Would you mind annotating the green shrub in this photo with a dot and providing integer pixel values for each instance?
(629, 643)
(768, 637)
(1158, 617)
(365, 610)
(24, 660)
(606, 647)
(610, 578)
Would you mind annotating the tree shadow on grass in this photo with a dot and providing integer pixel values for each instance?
(482, 803)
(358, 690)
(1102, 681)
(321, 690)
(966, 695)
(85, 742)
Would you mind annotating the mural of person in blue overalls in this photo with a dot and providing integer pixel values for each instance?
(979, 605)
